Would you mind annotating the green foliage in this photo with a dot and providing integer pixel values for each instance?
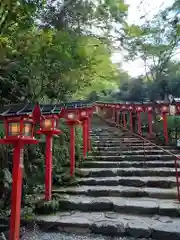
(47, 207)
(156, 42)
(83, 16)
(49, 53)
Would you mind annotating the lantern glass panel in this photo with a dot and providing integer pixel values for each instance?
(27, 131)
(71, 116)
(14, 129)
(47, 124)
(83, 114)
(164, 109)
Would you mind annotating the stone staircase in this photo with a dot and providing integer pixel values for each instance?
(125, 190)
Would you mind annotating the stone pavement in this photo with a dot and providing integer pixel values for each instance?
(69, 236)
(124, 191)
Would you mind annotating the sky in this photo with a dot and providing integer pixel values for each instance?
(138, 8)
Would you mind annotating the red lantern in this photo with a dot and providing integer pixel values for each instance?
(49, 127)
(84, 118)
(19, 120)
(149, 109)
(164, 108)
(72, 116)
(178, 109)
(176, 102)
(124, 109)
(139, 109)
(130, 108)
(113, 107)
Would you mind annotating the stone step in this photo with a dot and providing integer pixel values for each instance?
(161, 182)
(117, 138)
(135, 147)
(143, 172)
(140, 206)
(136, 152)
(101, 144)
(127, 164)
(113, 224)
(118, 141)
(119, 191)
(131, 157)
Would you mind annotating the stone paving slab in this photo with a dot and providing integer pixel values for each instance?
(138, 206)
(135, 147)
(127, 164)
(117, 141)
(117, 138)
(131, 157)
(51, 235)
(138, 152)
(162, 182)
(101, 144)
(119, 191)
(143, 172)
(114, 224)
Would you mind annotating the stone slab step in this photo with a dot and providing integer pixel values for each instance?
(118, 141)
(127, 164)
(117, 138)
(136, 147)
(113, 224)
(101, 143)
(131, 157)
(113, 136)
(160, 182)
(119, 191)
(136, 152)
(139, 206)
(143, 172)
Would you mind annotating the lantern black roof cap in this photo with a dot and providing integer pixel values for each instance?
(176, 100)
(18, 109)
(147, 102)
(47, 109)
(78, 104)
(139, 103)
(162, 101)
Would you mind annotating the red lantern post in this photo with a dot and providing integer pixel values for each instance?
(99, 109)
(164, 111)
(124, 109)
(72, 117)
(19, 123)
(84, 120)
(89, 127)
(139, 109)
(130, 118)
(108, 110)
(49, 128)
(149, 109)
(113, 113)
(85, 114)
(117, 114)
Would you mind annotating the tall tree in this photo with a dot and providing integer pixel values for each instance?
(156, 42)
(87, 16)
